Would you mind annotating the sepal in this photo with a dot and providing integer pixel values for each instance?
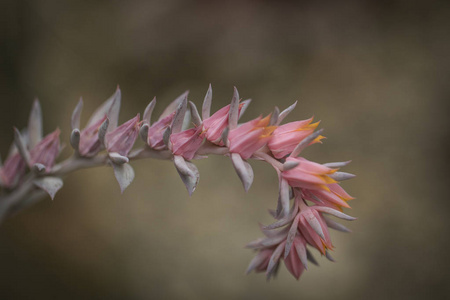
(76, 115)
(21, 146)
(305, 142)
(206, 108)
(285, 112)
(75, 139)
(102, 132)
(196, 119)
(233, 114)
(35, 124)
(147, 117)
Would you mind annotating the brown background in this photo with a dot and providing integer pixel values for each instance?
(375, 73)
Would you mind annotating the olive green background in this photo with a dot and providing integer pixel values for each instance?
(375, 73)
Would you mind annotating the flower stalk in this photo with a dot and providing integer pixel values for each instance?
(308, 191)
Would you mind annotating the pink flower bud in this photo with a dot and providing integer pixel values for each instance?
(286, 137)
(293, 261)
(89, 142)
(156, 131)
(46, 151)
(13, 169)
(261, 261)
(250, 137)
(214, 125)
(314, 229)
(186, 143)
(122, 139)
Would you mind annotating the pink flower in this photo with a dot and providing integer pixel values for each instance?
(89, 143)
(122, 139)
(335, 197)
(250, 137)
(308, 174)
(186, 143)
(215, 124)
(156, 132)
(286, 137)
(46, 151)
(13, 169)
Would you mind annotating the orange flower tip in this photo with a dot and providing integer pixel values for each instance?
(312, 126)
(327, 179)
(346, 206)
(318, 139)
(268, 131)
(323, 187)
(265, 121)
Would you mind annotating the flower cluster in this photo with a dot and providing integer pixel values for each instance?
(308, 191)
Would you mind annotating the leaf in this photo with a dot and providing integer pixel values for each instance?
(188, 172)
(124, 174)
(243, 169)
(117, 158)
(49, 184)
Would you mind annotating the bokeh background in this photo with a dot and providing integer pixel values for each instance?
(375, 73)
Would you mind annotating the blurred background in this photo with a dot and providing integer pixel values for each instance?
(375, 73)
